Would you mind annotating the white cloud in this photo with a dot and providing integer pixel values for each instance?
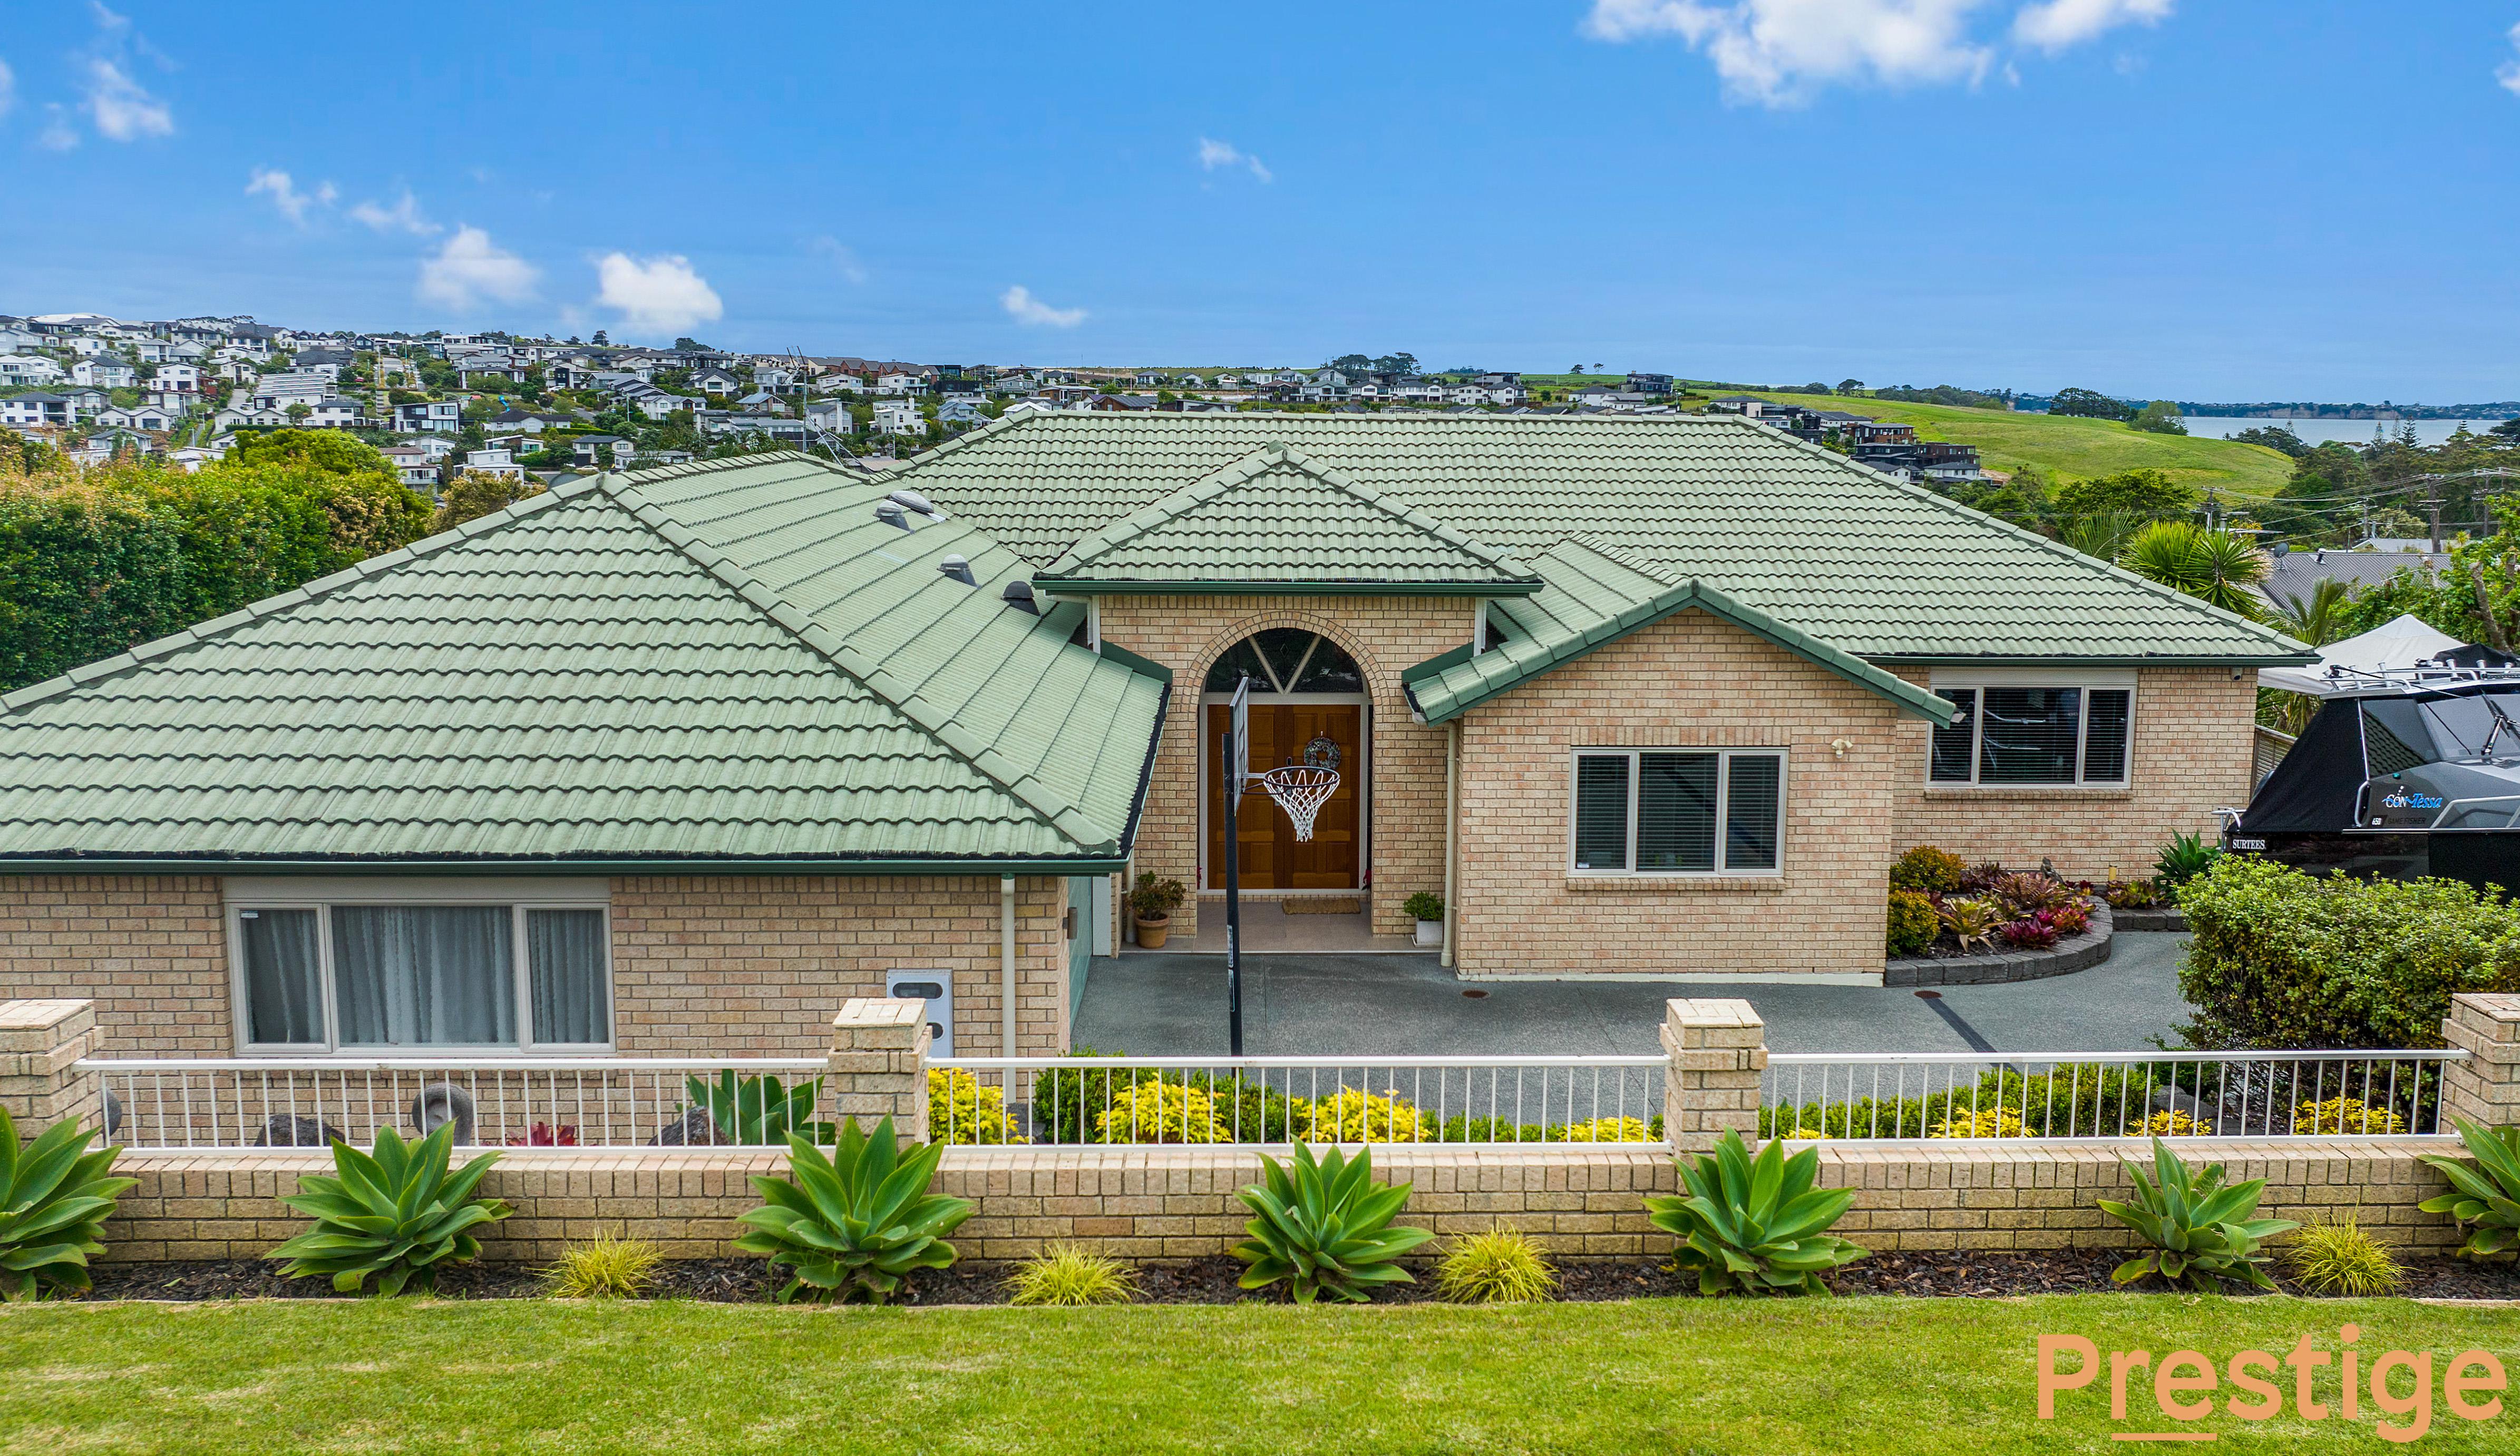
(122, 108)
(57, 135)
(656, 295)
(286, 197)
(403, 216)
(2053, 25)
(7, 88)
(107, 21)
(1026, 309)
(470, 268)
(842, 257)
(2508, 72)
(1214, 154)
(1777, 52)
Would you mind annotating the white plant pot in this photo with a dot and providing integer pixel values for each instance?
(1431, 932)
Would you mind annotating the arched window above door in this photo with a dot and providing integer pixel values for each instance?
(1287, 659)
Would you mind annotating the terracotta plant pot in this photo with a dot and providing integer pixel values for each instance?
(1151, 933)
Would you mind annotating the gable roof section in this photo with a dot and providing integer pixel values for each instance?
(1595, 595)
(1275, 520)
(1843, 554)
(617, 674)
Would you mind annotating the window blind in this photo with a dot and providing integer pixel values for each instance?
(1602, 811)
(1676, 809)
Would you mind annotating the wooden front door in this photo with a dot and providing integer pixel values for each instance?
(1270, 857)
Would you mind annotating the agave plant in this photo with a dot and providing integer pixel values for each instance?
(1326, 1227)
(1756, 1227)
(857, 1221)
(54, 1196)
(397, 1214)
(2486, 1192)
(1972, 919)
(2184, 857)
(757, 1112)
(2199, 1229)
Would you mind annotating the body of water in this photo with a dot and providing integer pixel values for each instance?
(2320, 431)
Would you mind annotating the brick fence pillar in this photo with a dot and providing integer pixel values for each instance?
(2485, 1086)
(40, 1041)
(878, 1064)
(1711, 1084)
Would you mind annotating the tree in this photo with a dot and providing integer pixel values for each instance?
(2090, 404)
(691, 346)
(1850, 386)
(1577, 369)
(600, 341)
(317, 449)
(2509, 429)
(298, 413)
(1396, 363)
(2318, 618)
(2145, 494)
(2274, 437)
(2160, 417)
(1813, 387)
(474, 493)
(1352, 364)
(2215, 568)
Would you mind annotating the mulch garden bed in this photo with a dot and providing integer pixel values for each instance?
(1212, 1281)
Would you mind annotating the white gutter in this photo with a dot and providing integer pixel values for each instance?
(1007, 966)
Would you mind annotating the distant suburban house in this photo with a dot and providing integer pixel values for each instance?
(715, 381)
(588, 450)
(105, 372)
(494, 462)
(2294, 575)
(412, 466)
(428, 415)
(898, 417)
(961, 412)
(37, 409)
(655, 404)
(28, 368)
(1640, 384)
(337, 413)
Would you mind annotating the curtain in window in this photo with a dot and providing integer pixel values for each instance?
(425, 975)
(284, 985)
(2104, 737)
(1954, 744)
(1751, 810)
(564, 957)
(1676, 811)
(1602, 811)
(2030, 734)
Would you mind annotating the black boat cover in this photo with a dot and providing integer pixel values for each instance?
(2319, 784)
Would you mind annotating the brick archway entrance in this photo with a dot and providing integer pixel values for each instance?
(1306, 693)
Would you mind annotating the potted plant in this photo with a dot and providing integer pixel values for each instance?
(1151, 904)
(1428, 912)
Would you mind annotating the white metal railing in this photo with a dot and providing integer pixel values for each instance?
(563, 1102)
(1276, 1101)
(2102, 1094)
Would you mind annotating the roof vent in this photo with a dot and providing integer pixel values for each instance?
(917, 502)
(891, 515)
(957, 568)
(1018, 595)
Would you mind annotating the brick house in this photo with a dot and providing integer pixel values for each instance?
(672, 762)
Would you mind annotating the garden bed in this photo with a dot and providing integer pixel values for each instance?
(1930, 1274)
(2074, 952)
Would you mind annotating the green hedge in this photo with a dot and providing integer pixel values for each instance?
(93, 562)
(2285, 960)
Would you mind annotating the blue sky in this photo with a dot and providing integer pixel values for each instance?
(2179, 197)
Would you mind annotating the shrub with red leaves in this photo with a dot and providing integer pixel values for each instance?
(2029, 933)
(545, 1136)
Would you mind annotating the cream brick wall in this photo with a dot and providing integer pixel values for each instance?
(734, 964)
(149, 949)
(1179, 1203)
(1386, 636)
(2195, 741)
(1691, 680)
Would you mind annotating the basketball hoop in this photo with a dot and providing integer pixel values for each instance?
(1301, 789)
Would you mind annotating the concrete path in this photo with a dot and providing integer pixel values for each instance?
(1155, 1005)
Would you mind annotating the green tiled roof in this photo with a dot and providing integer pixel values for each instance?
(1277, 521)
(724, 665)
(1808, 537)
(1595, 595)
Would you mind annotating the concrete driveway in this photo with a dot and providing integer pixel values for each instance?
(1403, 1005)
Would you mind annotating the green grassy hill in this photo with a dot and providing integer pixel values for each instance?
(2069, 448)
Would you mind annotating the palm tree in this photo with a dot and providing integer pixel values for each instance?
(2316, 619)
(2099, 535)
(2215, 568)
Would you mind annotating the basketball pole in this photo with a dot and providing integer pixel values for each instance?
(1233, 898)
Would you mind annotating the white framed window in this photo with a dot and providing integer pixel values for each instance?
(2036, 729)
(420, 965)
(1678, 810)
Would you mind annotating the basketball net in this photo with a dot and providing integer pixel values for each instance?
(1300, 789)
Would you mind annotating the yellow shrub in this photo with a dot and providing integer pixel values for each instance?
(2343, 1114)
(1360, 1117)
(962, 1112)
(1161, 1112)
(1987, 1124)
(1608, 1129)
(2169, 1123)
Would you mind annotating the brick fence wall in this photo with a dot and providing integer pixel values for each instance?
(1581, 1201)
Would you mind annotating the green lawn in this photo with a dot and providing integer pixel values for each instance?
(1879, 1376)
(2069, 448)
